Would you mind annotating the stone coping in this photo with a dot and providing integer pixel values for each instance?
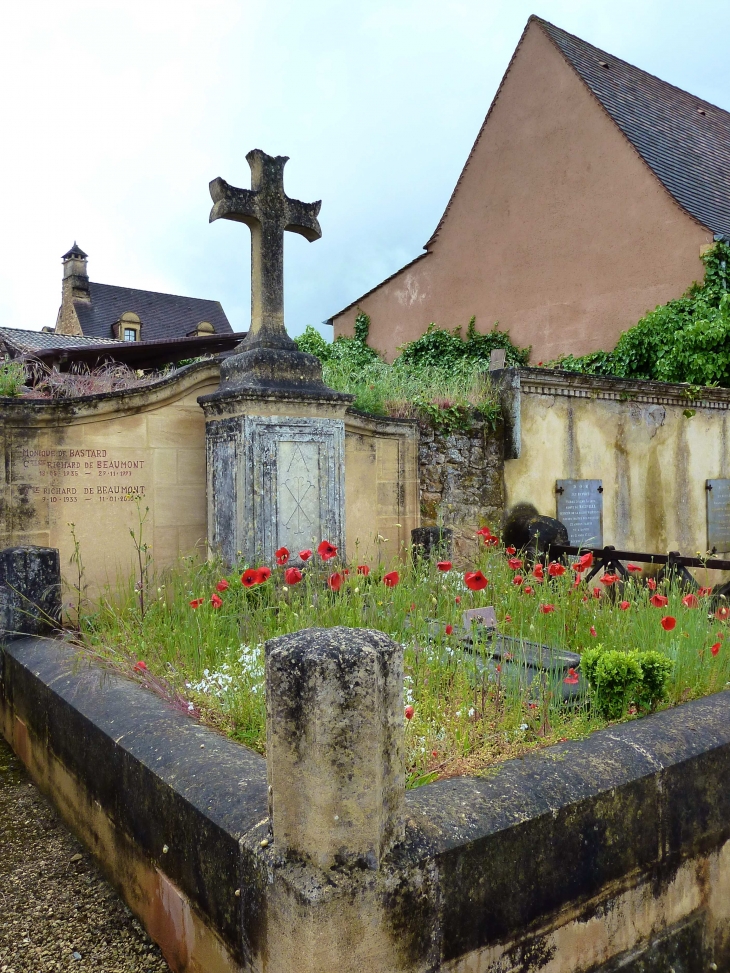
(16, 410)
(547, 381)
(485, 858)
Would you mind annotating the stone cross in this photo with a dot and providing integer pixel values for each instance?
(268, 212)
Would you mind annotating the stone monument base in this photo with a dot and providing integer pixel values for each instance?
(276, 471)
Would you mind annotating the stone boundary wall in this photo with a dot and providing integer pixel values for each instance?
(596, 855)
(654, 446)
(462, 480)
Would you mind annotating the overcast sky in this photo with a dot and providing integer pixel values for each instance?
(116, 115)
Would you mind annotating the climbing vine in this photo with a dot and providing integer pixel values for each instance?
(685, 340)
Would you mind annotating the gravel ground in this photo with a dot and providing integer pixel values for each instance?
(56, 910)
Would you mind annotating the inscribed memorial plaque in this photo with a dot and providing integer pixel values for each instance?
(580, 508)
(718, 516)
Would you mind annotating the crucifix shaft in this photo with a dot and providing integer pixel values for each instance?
(268, 212)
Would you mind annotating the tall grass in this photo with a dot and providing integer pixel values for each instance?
(467, 712)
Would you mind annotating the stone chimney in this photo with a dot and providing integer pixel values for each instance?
(75, 288)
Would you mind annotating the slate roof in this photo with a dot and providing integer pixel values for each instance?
(162, 315)
(29, 342)
(687, 149)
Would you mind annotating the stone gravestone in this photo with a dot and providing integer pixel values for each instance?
(718, 516)
(275, 433)
(497, 359)
(580, 508)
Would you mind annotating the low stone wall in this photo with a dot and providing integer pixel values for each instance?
(604, 854)
(461, 478)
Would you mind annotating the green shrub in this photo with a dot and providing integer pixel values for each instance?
(12, 377)
(438, 378)
(619, 678)
(655, 672)
(686, 340)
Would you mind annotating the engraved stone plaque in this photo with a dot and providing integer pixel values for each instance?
(298, 497)
(718, 516)
(580, 508)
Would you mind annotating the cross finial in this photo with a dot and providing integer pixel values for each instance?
(268, 212)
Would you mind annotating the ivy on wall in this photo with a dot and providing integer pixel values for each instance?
(686, 340)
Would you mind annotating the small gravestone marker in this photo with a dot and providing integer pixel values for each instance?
(497, 359)
(580, 508)
(718, 515)
(479, 616)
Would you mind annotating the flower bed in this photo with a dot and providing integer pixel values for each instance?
(197, 638)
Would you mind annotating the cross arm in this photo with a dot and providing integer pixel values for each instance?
(302, 218)
(231, 203)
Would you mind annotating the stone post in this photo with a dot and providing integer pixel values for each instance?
(335, 751)
(30, 590)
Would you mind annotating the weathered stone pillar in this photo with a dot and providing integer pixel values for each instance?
(30, 590)
(335, 753)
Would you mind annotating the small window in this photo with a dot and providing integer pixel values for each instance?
(130, 334)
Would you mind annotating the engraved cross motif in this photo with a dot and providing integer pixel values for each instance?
(268, 212)
(298, 487)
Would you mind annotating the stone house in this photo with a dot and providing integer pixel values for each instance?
(110, 312)
(590, 193)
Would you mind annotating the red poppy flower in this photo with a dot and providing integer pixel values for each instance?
(538, 572)
(449, 630)
(282, 555)
(293, 576)
(264, 574)
(659, 601)
(576, 581)
(703, 592)
(363, 569)
(584, 561)
(518, 579)
(593, 632)
(633, 567)
(546, 609)
(624, 605)
(714, 649)
(327, 551)
(608, 579)
(196, 602)
(555, 570)
(222, 585)
(458, 599)
(409, 712)
(391, 579)
(572, 678)
(484, 532)
(597, 592)
(651, 584)
(413, 607)
(142, 667)
(305, 555)
(249, 578)
(475, 581)
(515, 563)
(690, 601)
(528, 590)
(334, 582)
(507, 619)
(491, 541)
(510, 550)
(216, 601)
(444, 565)
(668, 623)
(723, 613)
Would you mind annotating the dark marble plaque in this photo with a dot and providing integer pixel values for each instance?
(718, 516)
(580, 508)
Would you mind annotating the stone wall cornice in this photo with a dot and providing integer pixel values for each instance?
(545, 381)
(18, 411)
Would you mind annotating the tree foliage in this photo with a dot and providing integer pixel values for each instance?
(686, 340)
